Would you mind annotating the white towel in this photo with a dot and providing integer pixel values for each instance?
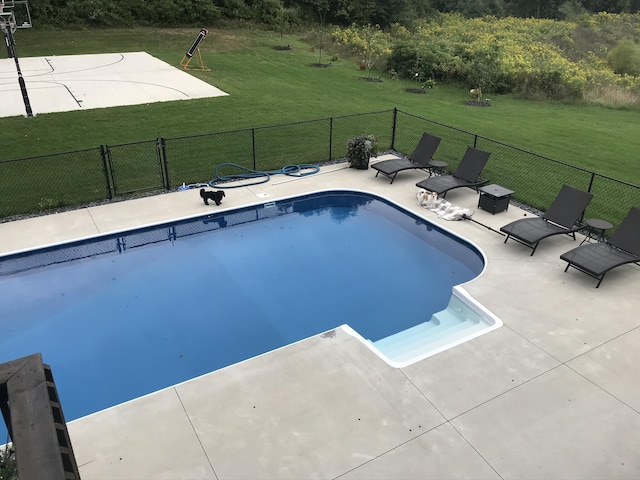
(441, 207)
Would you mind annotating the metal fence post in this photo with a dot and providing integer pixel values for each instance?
(393, 129)
(593, 177)
(330, 138)
(162, 151)
(105, 170)
(253, 147)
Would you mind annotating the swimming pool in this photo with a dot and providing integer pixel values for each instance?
(126, 314)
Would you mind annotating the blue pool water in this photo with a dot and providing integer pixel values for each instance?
(124, 315)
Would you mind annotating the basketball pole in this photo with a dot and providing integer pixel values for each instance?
(11, 46)
(8, 26)
(6, 44)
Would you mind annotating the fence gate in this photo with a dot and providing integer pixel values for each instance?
(136, 167)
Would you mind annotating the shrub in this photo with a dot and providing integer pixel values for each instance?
(360, 149)
(624, 58)
(425, 60)
(486, 71)
(402, 60)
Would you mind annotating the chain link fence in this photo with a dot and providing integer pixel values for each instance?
(48, 182)
(535, 179)
(194, 159)
(135, 167)
(51, 182)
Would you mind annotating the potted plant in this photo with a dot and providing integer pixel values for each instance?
(360, 149)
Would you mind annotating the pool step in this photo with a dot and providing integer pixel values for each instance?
(445, 327)
(412, 342)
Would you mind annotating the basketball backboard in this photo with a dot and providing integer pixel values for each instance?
(14, 14)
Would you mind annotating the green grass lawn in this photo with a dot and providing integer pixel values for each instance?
(268, 86)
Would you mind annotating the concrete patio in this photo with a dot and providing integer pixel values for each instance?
(554, 393)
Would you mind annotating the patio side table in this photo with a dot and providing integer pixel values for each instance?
(494, 198)
(437, 167)
(596, 229)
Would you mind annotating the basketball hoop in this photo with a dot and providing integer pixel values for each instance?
(194, 50)
(14, 15)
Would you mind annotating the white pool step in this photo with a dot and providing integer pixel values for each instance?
(444, 328)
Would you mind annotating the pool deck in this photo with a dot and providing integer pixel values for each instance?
(554, 393)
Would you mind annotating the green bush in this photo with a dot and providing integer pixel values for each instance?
(426, 60)
(624, 58)
(402, 60)
(484, 71)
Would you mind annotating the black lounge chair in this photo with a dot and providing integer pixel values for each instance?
(596, 259)
(466, 175)
(560, 218)
(420, 158)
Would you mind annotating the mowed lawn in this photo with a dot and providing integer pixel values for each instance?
(268, 86)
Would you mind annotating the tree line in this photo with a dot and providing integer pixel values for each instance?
(181, 13)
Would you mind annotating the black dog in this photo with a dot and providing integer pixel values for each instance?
(215, 196)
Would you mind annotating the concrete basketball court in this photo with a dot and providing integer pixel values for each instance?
(63, 83)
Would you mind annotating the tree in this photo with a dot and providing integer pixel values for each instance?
(322, 8)
(284, 18)
(533, 8)
(368, 42)
(403, 12)
(355, 11)
(471, 8)
(571, 10)
(609, 6)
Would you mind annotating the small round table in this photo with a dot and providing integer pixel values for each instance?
(436, 167)
(595, 229)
